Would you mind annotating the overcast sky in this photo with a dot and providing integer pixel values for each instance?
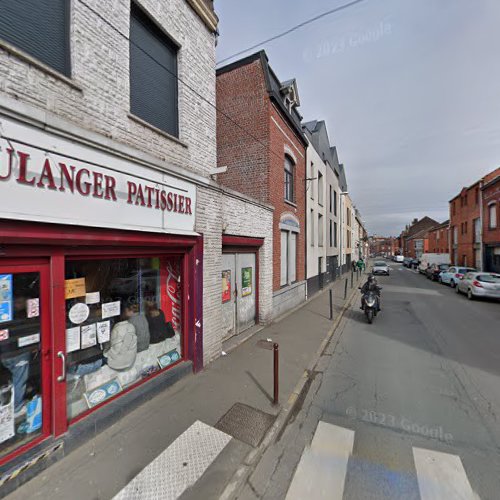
(409, 89)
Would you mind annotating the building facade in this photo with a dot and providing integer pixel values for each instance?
(113, 231)
(268, 164)
(490, 194)
(439, 238)
(322, 194)
(416, 226)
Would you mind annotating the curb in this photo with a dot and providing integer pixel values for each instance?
(244, 471)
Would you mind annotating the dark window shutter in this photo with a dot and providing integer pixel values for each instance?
(153, 74)
(39, 28)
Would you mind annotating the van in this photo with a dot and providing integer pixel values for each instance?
(428, 259)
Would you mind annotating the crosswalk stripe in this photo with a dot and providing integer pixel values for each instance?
(322, 468)
(179, 466)
(441, 476)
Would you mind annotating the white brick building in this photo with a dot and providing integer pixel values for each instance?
(88, 181)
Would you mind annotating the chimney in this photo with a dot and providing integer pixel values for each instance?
(414, 222)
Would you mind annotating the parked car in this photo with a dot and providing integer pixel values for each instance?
(453, 274)
(398, 258)
(414, 264)
(406, 261)
(479, 284)
(434, 270)
(381, 267)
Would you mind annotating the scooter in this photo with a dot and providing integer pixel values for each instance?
(370, 305)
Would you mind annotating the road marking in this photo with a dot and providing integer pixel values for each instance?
(179, 466)
(441, 476)
(323, 466)
(409, 289)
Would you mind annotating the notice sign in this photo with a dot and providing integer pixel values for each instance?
(74, 288)
(6, 413)
(73, 339)
(246, 281)
(89, 335)
(33, 308)
(5, 297)
(79, 313)
(226, 285)
(110, 309)
(103, 331)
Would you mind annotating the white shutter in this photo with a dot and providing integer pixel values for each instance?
(284, 258)
(292, 253)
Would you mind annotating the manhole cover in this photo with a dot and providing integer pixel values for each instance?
(245, 423)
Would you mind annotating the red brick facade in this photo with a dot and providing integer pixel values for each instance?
(439, 239)
(254, 150)
(491, 227)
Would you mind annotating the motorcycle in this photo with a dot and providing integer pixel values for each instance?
(370, 305)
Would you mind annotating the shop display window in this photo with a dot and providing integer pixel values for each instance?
(20, 360)
(123, 324)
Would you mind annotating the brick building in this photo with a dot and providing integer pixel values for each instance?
(109, 211)
(380, 245)
(490, 194)
(268, 163)
(439, 238)
(425, 223)
(417, 244)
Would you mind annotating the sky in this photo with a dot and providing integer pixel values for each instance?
(409, 90)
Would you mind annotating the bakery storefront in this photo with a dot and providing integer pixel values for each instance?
(100, 280)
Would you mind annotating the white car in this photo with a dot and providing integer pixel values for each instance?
(399, 258)
(380, 267)
(453, 274)
(479, 284)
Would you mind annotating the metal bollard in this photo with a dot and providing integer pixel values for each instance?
(352, 277)
(331, 303)
(345, 289)
(276, 373)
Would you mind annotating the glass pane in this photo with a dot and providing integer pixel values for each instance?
(284, 258)
(20, 367)
(123, 323)
(292, 256)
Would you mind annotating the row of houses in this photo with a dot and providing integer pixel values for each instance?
(141, 185)
(471, 235)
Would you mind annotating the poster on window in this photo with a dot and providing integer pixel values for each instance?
(226, 285)
(5, 297)
(173, 299)
(246, 281)
(6, 412)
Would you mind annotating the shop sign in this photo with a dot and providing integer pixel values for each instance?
(246, 281)
(173, 299)
(53, 179)
(226, 285)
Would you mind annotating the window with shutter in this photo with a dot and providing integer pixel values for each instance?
(153, 73)
(40, 28)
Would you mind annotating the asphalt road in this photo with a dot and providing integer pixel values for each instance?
(407, 407)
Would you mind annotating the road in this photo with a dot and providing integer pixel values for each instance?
(406, 407)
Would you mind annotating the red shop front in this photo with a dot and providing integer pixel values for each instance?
(88, 314)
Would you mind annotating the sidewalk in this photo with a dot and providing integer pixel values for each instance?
(106, 463)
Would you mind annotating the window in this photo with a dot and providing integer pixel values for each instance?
(289, 179)
(288, 257)
(334, 234)
(40, 28)
(455, 235)
(330, 200)
(320, 230)
(477, 230)
(313, 220)
(153, 74)
(492, 216)
(320, 189)
(122, 315)
(334, 202)
(311, 194)
(331, 232)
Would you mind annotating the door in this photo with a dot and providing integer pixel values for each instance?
(25, 357)
(228, 295)
(246, 291)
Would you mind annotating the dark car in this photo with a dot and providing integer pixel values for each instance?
(434, 270)
(414, 263)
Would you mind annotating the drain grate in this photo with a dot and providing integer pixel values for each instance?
(245, 423)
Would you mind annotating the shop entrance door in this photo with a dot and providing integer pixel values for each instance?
(25, 357)
(238, 293)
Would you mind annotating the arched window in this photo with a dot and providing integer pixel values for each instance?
(289, 179)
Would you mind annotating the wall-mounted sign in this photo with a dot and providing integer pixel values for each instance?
(226, 285)
(74, 288)
(57, 180)
(246, 281)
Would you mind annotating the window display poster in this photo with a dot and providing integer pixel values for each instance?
(79, 313)
(4, 335)
(7, 413)
(73, 339)
(168, 358)
(74, 288)
(172, 302)
(89, 335)
(226, 285)
(103, 331)
(246, 281)
(93, 298)
(5, 297)
(33, 308)
(28, 340)
(103, 392)
(110, 309)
